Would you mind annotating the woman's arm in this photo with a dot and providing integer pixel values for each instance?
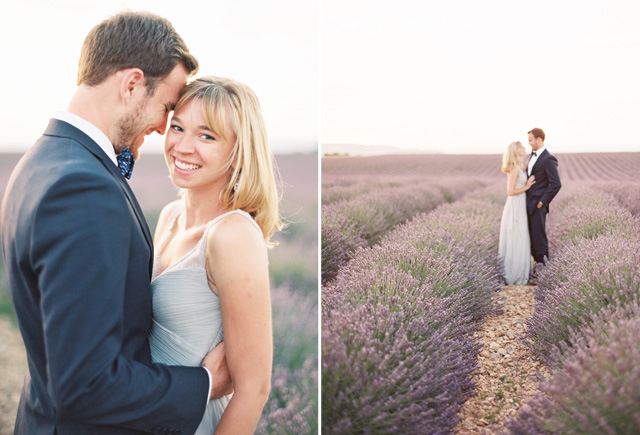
(238, 272)
(512, 177)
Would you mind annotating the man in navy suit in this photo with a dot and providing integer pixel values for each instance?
(544, 167)
(79, 253)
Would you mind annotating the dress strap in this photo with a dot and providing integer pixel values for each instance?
(218, 219)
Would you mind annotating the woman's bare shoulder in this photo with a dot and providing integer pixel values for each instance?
(234, 229)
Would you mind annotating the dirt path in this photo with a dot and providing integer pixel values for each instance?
(508, 374)
(13, 366)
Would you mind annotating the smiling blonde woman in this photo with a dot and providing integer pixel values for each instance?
(211, 279)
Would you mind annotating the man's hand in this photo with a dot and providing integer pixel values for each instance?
(540, 204)
(216, 363)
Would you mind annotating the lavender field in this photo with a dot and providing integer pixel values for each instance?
(293, 266)
(409, 273)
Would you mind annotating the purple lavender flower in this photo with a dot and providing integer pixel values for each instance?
(293, 403)
(397, 322)
(292, 407)
(595, 390)
(400, 367)
(582, 212)
(363, 218)
(597, 264)
(626, 193)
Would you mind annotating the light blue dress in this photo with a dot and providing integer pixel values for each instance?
(187, 322)
(514, 251)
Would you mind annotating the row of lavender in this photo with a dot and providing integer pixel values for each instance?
(397, 322)
(586, 322)
(292, 407)
(627, 193)
(359, 212)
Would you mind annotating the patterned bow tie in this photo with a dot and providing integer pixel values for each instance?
(125, 162)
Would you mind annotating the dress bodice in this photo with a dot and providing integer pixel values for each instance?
(187, 321)
(522, 178)
(185, 309)
(514, 251)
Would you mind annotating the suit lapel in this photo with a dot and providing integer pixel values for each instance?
(542, 156)
(528, 160)
(63, 129)
(133, 201)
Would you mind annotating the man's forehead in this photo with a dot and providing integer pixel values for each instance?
(168, 90)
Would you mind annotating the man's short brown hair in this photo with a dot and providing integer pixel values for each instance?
(133, 40)
(537, 132)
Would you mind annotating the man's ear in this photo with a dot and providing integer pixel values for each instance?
(132, 83)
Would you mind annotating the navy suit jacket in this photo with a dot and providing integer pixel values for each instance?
(547, 184)
(79, 258)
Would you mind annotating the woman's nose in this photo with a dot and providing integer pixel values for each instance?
(184, 144)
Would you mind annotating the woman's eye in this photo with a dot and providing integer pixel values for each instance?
(208, 137)
(176, 127)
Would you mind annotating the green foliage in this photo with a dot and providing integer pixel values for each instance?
(152, 219)
(6, 307)
(294, 274)
(6, 304)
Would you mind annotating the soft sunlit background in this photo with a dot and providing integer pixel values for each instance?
(468, 76)
(270, 46)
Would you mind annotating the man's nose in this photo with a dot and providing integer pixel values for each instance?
(163, 127)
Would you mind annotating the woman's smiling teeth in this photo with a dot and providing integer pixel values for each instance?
(186, 166)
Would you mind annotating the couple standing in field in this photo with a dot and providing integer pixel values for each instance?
(115, 335)
(531, 186)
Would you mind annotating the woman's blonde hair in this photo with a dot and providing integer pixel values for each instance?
(252, 186)
(510, 157)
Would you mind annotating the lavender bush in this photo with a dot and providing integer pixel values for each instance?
(292, 408)
(597, 264)
(586, 322)
(582, 280)
(384, 282)
(295, 327)
(596, 390)
(397, 346)
(293, 403)
(343, 187)
(395, 367)
(452, 249)
(627, 193)
(586, 213)
(346, 187)
(472, 225)
(453, 272)
(340, 238)
(364, 219)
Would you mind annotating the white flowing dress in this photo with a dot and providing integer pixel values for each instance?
(514, 251)
(187, 322)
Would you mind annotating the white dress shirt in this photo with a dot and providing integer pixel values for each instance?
(90, 130)
(533, 159)
(105, 144)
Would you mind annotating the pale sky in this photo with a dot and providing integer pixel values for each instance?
(468, 76)
(272, 46)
